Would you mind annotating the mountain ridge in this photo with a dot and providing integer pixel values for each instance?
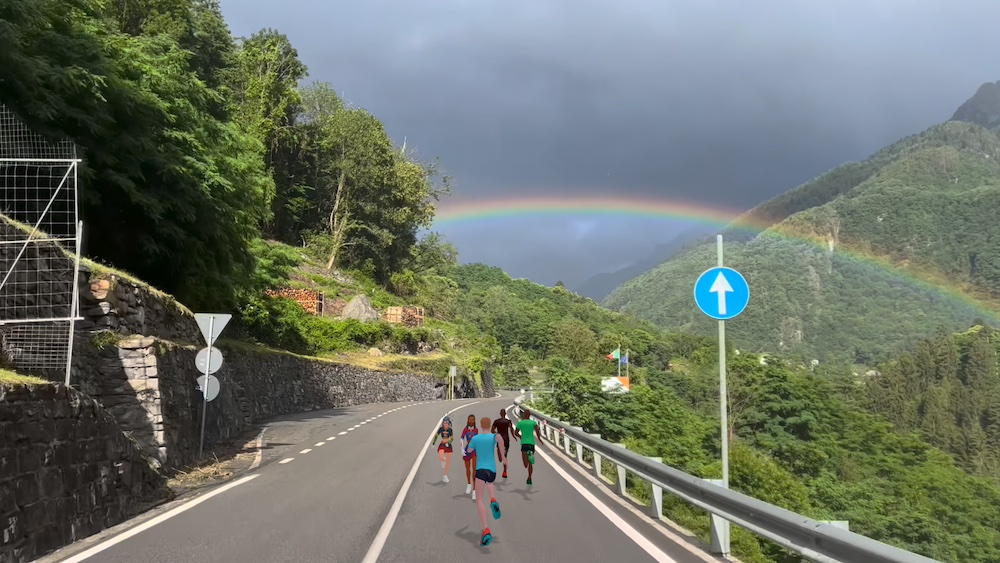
(830, 259)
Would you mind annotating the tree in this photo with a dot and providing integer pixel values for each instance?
(516, 367)
(263, 86)
(574, 340)
(178, 194)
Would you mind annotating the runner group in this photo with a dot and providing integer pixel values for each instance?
(480, 448)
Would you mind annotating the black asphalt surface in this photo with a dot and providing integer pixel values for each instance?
(328, 504)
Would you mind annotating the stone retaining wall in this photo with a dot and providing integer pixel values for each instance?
(149, 385)
(66, 471)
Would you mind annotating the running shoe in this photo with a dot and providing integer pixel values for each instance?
(495, 507)
(487, 538)
(504, 474)
(529, 480)
(468, 489)
(445, 479)
(473, 495)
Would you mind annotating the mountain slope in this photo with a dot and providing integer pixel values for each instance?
(819, 286)
(600, 286)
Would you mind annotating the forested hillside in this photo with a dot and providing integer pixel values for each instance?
(948, 390)
(863, 261)
(801, 439)
(194, 144)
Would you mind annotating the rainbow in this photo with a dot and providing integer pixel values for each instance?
(478, 211)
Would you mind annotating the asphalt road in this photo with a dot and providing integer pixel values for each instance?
(329, 503)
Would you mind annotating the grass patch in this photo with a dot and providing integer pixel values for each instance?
(104, 339)
(8, 377)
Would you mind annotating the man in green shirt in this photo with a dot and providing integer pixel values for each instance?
(525, 431)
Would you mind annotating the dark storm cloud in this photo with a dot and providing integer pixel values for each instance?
(722, 102)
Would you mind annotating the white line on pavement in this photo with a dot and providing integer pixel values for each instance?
(390, 519)
(318, 444)
(259, 456)
(331, 438)
(286, 460)
(159, 519)
(342, 433)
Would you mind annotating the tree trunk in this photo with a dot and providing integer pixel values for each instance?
(338, 222)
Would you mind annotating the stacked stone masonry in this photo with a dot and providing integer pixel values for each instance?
(66, 471)
(110, 302)
(150, 387)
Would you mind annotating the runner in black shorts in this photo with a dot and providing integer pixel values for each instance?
(525, 431)
(502, 427)
(486, 472)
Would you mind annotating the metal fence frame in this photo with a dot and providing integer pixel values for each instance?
(22, 148)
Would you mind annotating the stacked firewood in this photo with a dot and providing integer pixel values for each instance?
(308, 298)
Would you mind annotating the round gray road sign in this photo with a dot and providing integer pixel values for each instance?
(213, 387)
(210, 358)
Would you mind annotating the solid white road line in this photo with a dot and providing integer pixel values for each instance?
(159, 519)
(626, 528)
(259, 456)
(390, 519)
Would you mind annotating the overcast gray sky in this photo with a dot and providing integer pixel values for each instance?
(721, 103)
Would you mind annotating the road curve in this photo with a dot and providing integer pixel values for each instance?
(330, 480)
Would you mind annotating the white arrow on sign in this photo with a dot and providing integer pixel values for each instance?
(209, 329)
(720, 286)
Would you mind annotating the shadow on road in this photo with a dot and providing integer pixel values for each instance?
(525, 493)
(474, 538)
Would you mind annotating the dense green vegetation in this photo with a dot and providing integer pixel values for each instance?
(801, 439)
(195, 144)
(213, 173)
(838, 278)
(947, 389)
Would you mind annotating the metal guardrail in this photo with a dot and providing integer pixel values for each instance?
(817, 541)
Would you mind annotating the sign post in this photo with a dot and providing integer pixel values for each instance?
(722, 294)
(208, 361)
(452, 371)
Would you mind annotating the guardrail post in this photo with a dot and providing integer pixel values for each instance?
(579, 448)
(567, 442)
(622, 489)
(656, 496)
(719, 530)
(597, 460)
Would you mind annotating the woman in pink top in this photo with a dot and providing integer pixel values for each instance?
(468, 432)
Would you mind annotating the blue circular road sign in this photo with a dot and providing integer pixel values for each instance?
(721, 293)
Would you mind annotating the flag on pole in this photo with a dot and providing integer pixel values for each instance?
(624, 359)
(616, 355)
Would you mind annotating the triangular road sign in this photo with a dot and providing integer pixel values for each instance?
(209, 329)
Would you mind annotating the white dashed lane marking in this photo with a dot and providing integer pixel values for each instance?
(356, 426)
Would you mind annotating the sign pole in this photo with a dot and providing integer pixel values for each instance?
(204, 392)
(723, 395)
(722, 294)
